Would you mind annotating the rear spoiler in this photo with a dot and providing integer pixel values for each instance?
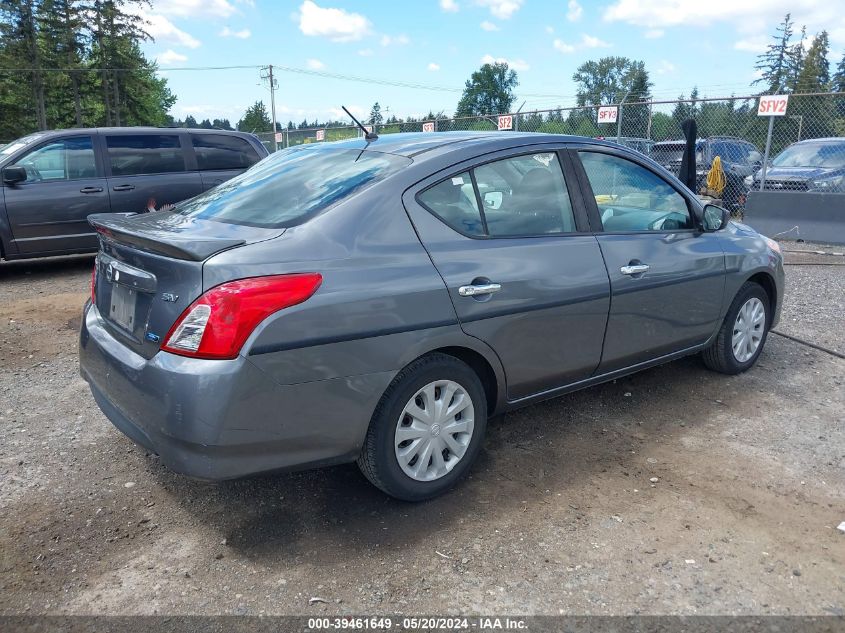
(148, 232)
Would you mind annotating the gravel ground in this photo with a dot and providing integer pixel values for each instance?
(672, 491)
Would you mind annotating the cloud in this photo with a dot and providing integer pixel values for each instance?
(366, 52)
(170, 57)
(488, 26)
(748, 16)
(574, 11)
(563, 47)
(340, 115)
(398, 40)
(433, 67)
(665, 67)
(315, 64)
(502, 9)
(550, 30)
(164, 31)
(752, 44)
(653, 34)
(195, 8)
(335, 24)
(243, 34)
(588, 41)
(515, 64)
(449, 5)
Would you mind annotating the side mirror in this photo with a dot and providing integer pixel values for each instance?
(13, 175)
(715, 218)
(493, 200)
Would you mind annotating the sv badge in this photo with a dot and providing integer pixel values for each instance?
(170, 297)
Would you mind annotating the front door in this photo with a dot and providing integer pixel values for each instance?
(48, 211)
(149, 171)
(521, 277)
(667, 277)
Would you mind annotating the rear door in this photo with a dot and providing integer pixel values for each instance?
(221, 156)
(150, 170)
(65, 183)
(667, 277)
(505, 235)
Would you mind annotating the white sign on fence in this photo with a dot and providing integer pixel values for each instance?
(772, 105)
(321, 135)
(280, 137)
(428, 127)
(608, 114)
(505, 122)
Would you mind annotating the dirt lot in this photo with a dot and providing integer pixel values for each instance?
(559, 516)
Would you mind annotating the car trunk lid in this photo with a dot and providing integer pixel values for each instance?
(149, 269)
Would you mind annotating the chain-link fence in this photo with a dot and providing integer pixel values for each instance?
(729, 128)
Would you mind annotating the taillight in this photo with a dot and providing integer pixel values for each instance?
(218, 323)
(94, 282)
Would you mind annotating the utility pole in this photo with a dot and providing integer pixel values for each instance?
(273, 86)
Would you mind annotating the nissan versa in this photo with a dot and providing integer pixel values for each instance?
(378, 300)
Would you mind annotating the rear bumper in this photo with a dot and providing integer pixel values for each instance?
(224, 419)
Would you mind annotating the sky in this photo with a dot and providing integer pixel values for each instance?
(431, 47)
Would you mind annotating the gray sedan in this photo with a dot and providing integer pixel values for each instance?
(378, 301)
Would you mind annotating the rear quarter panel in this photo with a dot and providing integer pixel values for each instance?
(381, 303)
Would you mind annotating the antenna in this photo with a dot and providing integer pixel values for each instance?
(368, 136)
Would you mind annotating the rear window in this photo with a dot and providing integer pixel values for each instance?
(136, 154)
(222, 151)
(292, 185)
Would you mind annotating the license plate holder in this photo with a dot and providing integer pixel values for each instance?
(122, 308)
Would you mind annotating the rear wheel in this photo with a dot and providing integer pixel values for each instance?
(427, 429)
(743, 333)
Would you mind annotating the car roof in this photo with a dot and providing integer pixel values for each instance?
(827, 139)
(413, 144)
(137, 130)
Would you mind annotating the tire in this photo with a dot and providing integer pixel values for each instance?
(720, 356)
(391, 423)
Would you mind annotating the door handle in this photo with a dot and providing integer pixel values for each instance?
(91, 190)
(123, 188)
(481, 289)
(635, 269)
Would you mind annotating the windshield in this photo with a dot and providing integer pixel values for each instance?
(673, 153)
(292, 185)
(828, 155)
(21, 142)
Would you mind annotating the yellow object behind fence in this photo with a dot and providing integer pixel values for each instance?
(716, 180)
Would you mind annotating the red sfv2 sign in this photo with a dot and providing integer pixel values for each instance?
(608, 114)
(772, 105)
(505, 122)
(428, 127)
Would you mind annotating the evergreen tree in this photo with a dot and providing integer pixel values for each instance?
(221, 124)
(256, 119)
(190, 121)
(774, 63)
(376, 117)
(796, 60)
(838, 82)
(815, 71)
(635, 117)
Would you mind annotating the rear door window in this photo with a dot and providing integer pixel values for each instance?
(223, 151)
(454, 202)
(293, 185)
(136, 154)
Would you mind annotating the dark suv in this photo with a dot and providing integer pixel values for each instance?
(739, 159)
(52, 181)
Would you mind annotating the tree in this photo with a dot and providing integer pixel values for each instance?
(221, 124)
(838, 82)
(190, 121)
(612, 80)
(685, 109)
(815, 71)
(796, 61)
(255, 119)
(490, 90)
(635, 117)
(376, 117)
(774, 64)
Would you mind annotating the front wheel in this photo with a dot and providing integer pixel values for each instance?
(743, 333)
(426, 430)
